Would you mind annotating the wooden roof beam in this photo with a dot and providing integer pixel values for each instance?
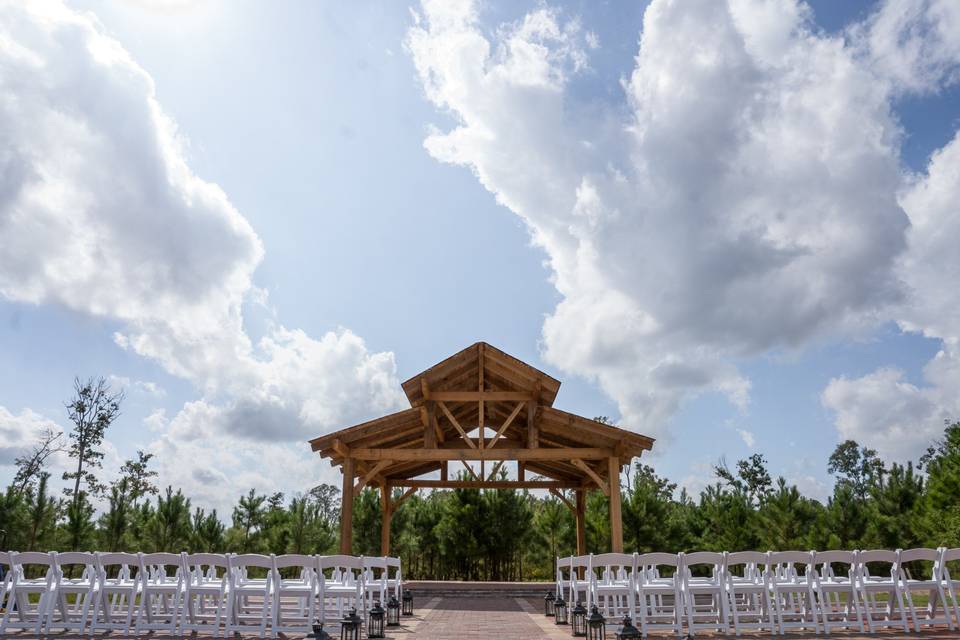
(583, 453)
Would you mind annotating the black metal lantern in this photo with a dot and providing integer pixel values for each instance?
(578, 620)
(627, 631)
(393, 612)
(548, 601)
(319, 633)
(407, 602)
(560, 610)
(350, 626)
(375, 621)
(596, 625)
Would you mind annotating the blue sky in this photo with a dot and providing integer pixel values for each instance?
(315, 120)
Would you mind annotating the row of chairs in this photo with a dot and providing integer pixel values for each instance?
(772, 591)
(185, 593)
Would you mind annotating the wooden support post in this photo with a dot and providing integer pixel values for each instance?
(443, 470)
(430, 425)
(616, 520)
(581, 523)
(346, 508)
(386, 509)
(521, 471)
(533, 439)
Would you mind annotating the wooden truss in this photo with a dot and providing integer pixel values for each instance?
(481, 405)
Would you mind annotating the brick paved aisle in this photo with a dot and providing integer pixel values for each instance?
(464, 618)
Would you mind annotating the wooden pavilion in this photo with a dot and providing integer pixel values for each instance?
(481, 405)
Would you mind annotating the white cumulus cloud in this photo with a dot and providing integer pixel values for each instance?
(741, 199)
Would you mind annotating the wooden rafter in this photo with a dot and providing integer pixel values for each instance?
(487, 484)
(371, 474)
(564, 499)
(472, 453)
(583, 466)
(506, 424)
(456, 425)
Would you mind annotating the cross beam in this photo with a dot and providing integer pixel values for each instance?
(433, 455)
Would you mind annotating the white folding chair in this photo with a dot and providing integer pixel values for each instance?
(24, 588)
(118, 590)
(301, 588)
(704, 596)
(885, 580)
(395, 583)
(748, 592)
(343, 587)
(6, 580)
(794, 603)
(249, 599)
(834, 585)
(563, 576)
(73, 597)
(205, 593)
(612, 582)
(951, 585)
(162, 585)
(374, 580)
(882, 579)
(932, 586)
(661, 603)
(579, 581)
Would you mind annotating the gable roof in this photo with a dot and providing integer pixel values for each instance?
(482, 366)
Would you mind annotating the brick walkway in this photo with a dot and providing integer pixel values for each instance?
(504, 619)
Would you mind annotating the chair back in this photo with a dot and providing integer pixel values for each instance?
(160, 568)
(745, 565)
(914, 563)
(785, 566)
(43, 564)
(711, 562)
(344, 569)
(199, 568)
(306, 564)
(607, 568)
(68, 559)
(829, 565)
(122, 561)
(238, 565)
(885, 563)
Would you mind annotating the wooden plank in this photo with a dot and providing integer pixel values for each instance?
(616, 520)
(346, 509)
(486, 484)
(476, 396)
(426, 455)
(429, 415)
(564, 500)
(521, 471)
(583, 466)
(443, 471)
(406, 494)
(466, 465)
(456, 425)
(532, 437)
(480, 421)
(386, 510)
(506, 424)
(581, 522)
(370, 475)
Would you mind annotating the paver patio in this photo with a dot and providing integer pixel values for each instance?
(500, 618)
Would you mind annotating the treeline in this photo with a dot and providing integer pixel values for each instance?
(469, 534)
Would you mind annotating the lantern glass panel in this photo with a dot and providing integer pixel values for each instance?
(548, 601)
(350, 626)
(407, 603)
(627, 631)
(578, 621)
(596, 626)
(393, 612)
(560, 611)
(375, 621)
